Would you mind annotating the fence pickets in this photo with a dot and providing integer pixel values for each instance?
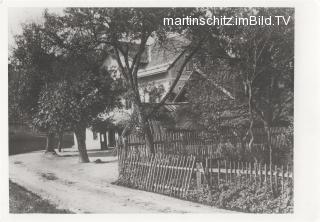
(183, 159)
(160, 173)
(198, 143)
(172, 174)
(225, 171)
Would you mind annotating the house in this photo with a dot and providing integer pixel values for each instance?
(159, 68)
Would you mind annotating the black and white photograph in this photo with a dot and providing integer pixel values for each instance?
(151, 110)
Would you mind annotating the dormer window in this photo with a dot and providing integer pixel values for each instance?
(128, 104)
(189, 66)
(281, 85)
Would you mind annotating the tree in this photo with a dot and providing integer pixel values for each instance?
(62, 89)
(126, 32)
(15, 115)
(258, 57)
(32, 60)
(265, 56)
(74, 102)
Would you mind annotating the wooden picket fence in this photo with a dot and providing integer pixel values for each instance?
(173, 174)
(215, 171)
(166, 174)
(186, 161)
(199, 144)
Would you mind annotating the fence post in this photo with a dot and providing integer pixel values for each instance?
(250, 170)
(266, 174)
(282, 175)
(276, 177)
(198, 175)
(260, 176)
(206, 172)
(193, 159)
(218, 172)
(271, 176)
(125, 146)
(255, 172)
(246, 173)
(226, 166)
(118, 147)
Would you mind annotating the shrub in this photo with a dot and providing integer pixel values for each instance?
(246, 197)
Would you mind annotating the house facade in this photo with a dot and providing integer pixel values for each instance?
(159, 68)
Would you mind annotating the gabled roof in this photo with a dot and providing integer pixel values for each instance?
(158, 56)
(203, 75)
(162, 55)
(222, 89)
(153, 70)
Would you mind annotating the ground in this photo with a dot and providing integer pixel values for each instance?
(87, 187)
(24, 201)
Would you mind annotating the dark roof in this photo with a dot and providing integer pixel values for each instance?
(167, 52)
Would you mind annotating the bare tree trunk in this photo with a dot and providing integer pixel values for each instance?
(148, 138)
(60, 140)
(250, 114)
(241, 135)
(81, 139)
(267, 129)
(146, 130)
(50, 143)
(243, 148)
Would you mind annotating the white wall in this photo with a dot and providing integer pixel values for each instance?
(90, 142)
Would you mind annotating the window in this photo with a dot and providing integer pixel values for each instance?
(146, 97)
(95, 135)
(189, 65)
(153, 98)
(127, 104)
(291, 64)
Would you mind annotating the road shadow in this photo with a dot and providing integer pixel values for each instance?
(103, 161)
(91, 153)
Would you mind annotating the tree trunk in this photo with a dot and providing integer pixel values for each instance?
(60, 140)
(267, 129)
(243, 148)
(111, 138)
(250, 114)
(146, 129)
(50, 143)
(148, 138)
(81, 139)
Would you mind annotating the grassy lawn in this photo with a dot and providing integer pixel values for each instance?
(24, 201)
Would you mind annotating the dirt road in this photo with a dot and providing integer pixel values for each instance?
(87, 188)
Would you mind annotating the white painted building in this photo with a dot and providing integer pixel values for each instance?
(159, 67)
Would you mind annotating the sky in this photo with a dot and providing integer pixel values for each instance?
(17, 16)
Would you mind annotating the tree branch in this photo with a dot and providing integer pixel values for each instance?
(177, 77)
(123, 71)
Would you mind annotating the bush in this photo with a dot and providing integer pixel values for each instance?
(246, 198)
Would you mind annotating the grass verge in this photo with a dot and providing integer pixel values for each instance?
(24, 201)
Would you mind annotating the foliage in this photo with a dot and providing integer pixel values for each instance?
(102, 125)
(261, 56)
(70, 104)
(15, 114)
(124, 33)
(31, 66)
(62, 88)
(152, 91)
(265, 55)
(209, 106)
(58, 81)
(246, 197)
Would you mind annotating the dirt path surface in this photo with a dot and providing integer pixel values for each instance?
(87, 188)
